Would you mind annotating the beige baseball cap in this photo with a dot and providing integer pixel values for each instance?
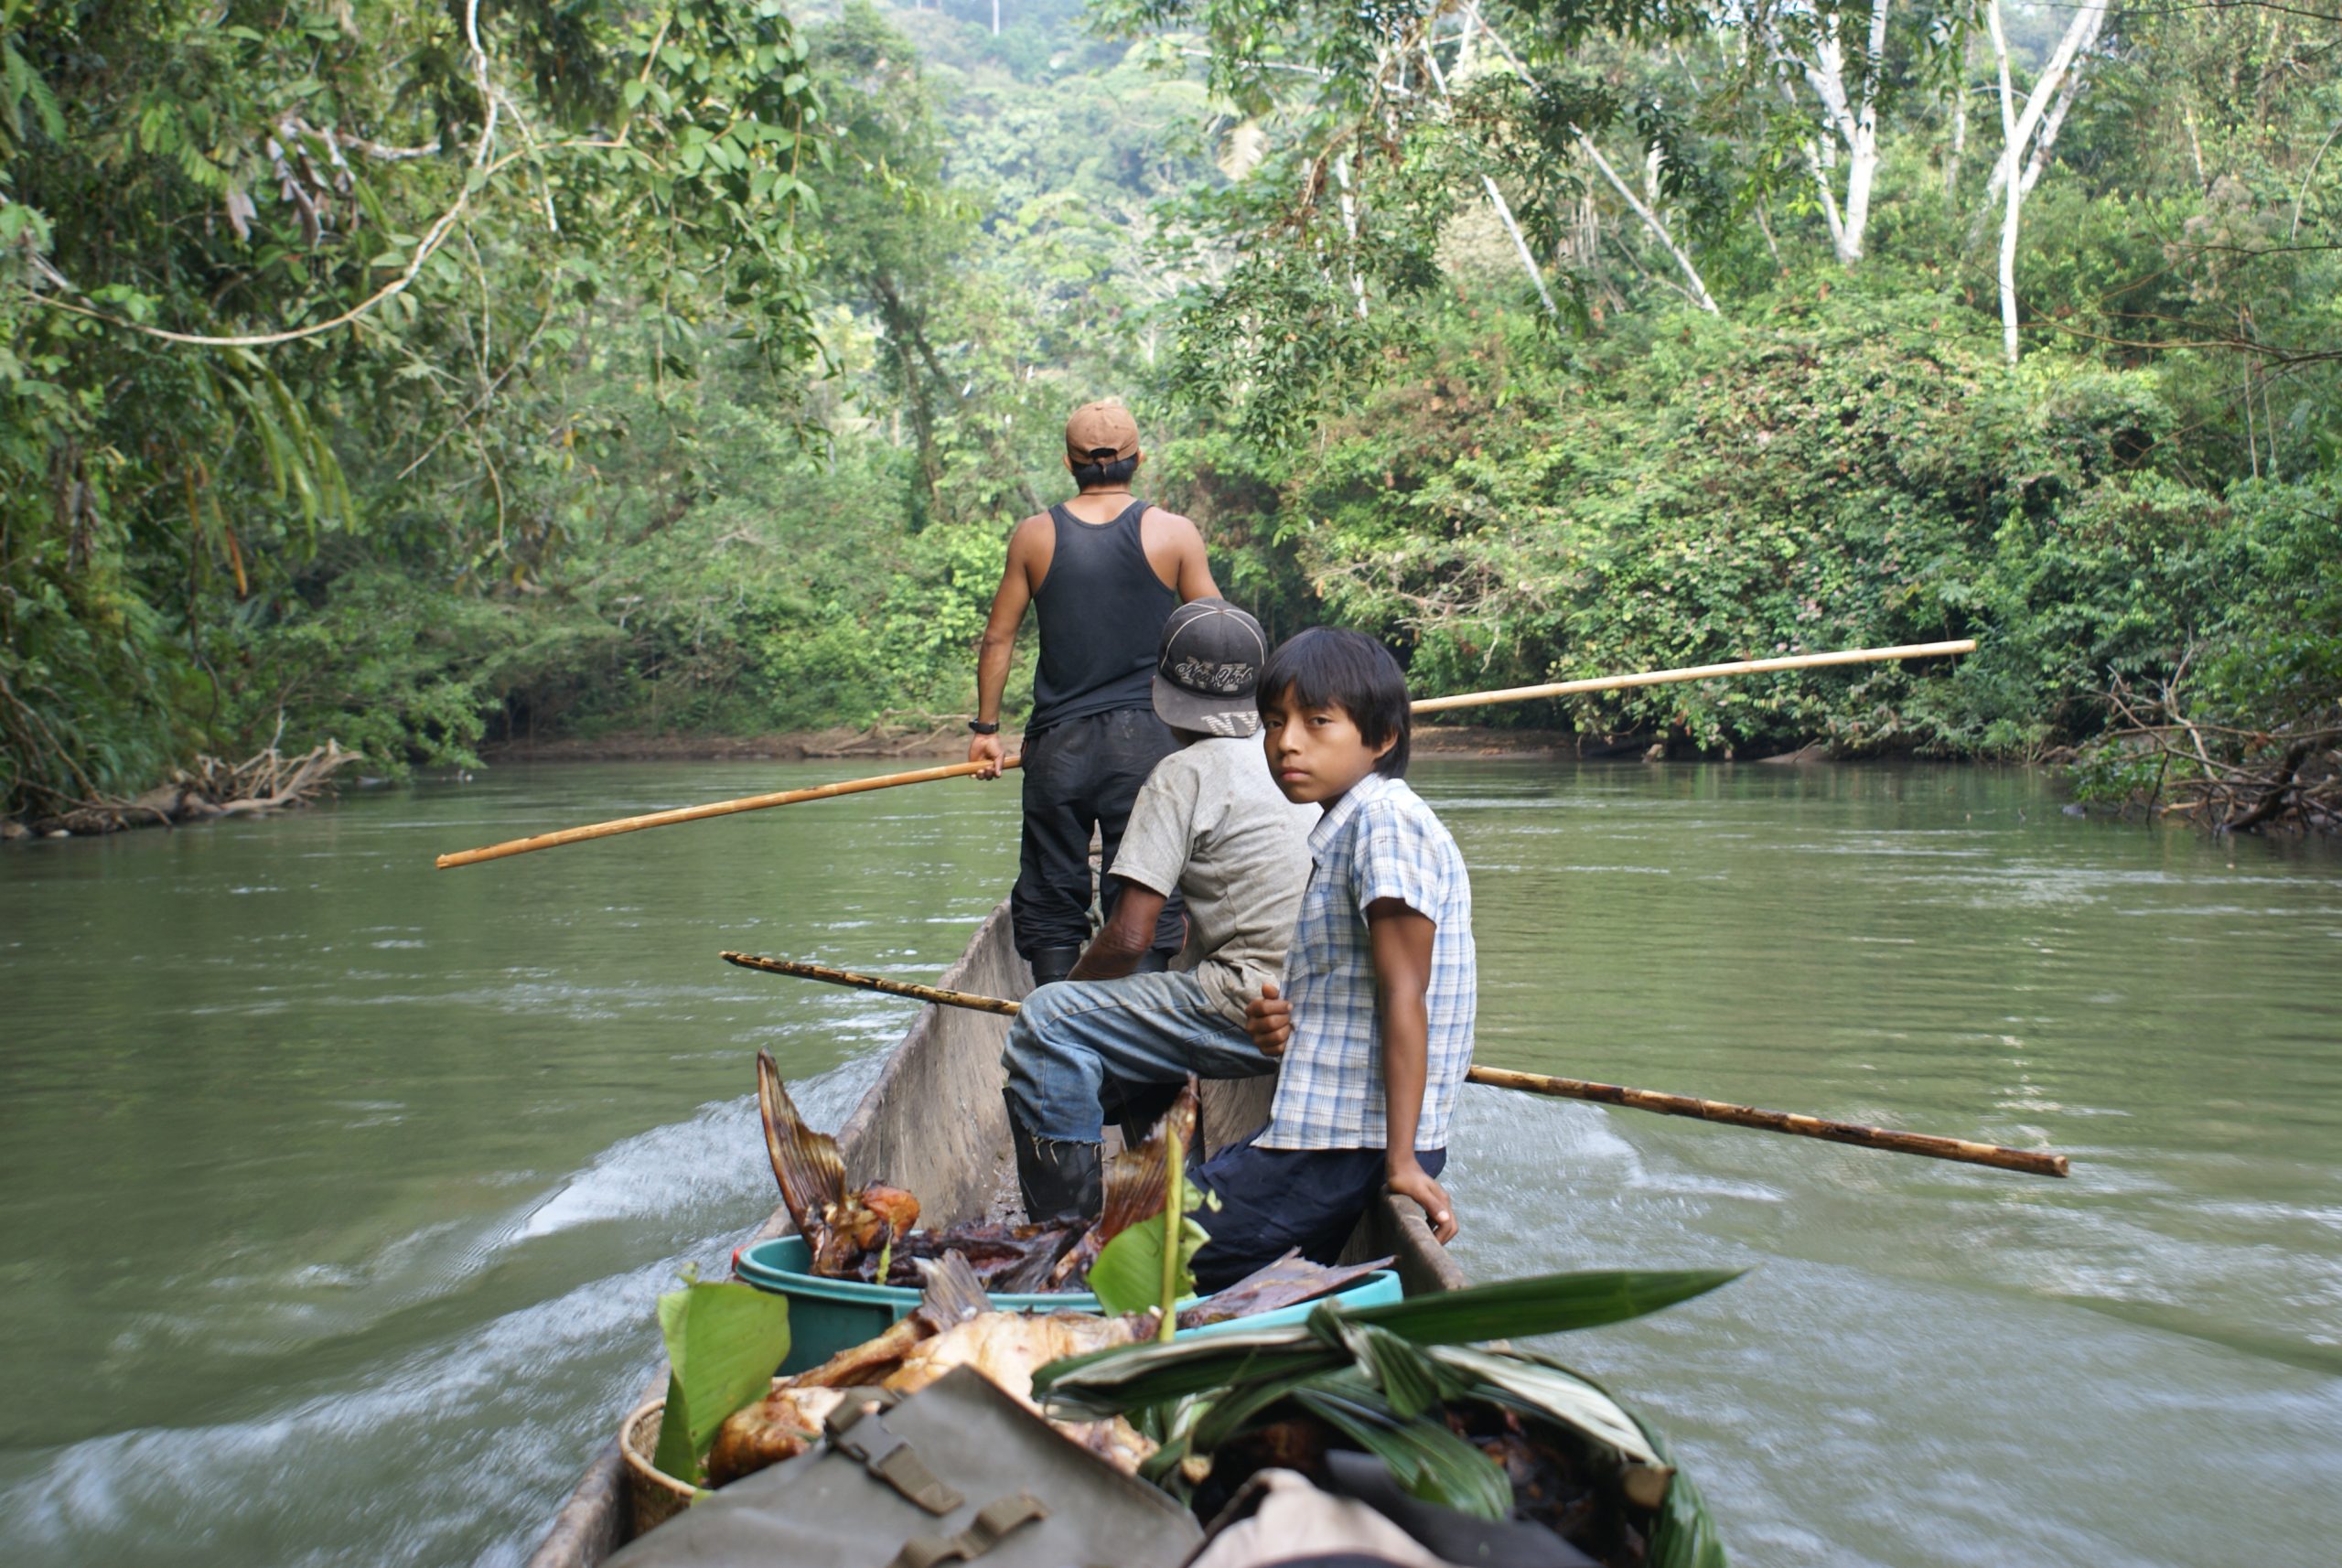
(1102, 432)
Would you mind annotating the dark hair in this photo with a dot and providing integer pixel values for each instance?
(1324, 667)
(1087, 476)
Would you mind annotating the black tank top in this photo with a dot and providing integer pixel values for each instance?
(1101, 609)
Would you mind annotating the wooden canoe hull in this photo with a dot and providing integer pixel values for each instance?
(949, 1059)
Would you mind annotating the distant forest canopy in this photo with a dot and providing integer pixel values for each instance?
(416, 374)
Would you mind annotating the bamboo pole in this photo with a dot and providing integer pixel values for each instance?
(1855, 1132)
(1428, 705)
(973, 1002)
(1697, 672)
(712, 808)
(1859, 1135)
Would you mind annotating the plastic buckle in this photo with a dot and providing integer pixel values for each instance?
(888, 1455)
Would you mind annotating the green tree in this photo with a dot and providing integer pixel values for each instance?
(275, 281)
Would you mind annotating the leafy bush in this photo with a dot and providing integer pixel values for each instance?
(403, 670)
(1832, 470)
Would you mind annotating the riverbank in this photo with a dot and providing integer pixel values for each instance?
(2290, 792)
(267, 781)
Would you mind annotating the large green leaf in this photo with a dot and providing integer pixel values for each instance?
(1541, 1304)
(724, 1342)
(1128, 1274)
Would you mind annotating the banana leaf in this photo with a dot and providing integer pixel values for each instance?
(724, 1342)
(1128, 1275)
(1108, 1382)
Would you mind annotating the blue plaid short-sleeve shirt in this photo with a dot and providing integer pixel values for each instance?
(1379, 840)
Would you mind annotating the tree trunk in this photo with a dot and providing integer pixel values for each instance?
(1959, 125)
(2013, 190)
(1862, 151)
(1849, 124)
(2047, 140)
(2018, 130)
(1349, 228)
(1697, 289)
(1496, 202)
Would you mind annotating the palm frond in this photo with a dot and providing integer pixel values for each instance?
(1427, 1459)
(1546, 1388)
(1541, 1304)
(1108, 1382)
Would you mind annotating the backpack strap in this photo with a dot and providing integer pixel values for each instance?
(857, 1432)
(992, 1522)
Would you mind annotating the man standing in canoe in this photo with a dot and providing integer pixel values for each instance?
(1102, 573)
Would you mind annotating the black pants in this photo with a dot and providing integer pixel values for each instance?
(1082, 774)
(1272, 1200)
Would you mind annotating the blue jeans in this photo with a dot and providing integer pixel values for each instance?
(1074, 1038)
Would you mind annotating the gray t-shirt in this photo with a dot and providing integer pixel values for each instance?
(1211, 825)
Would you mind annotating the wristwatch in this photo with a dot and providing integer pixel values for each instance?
(980, 728)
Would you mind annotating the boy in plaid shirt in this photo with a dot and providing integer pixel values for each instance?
(1376, 1029)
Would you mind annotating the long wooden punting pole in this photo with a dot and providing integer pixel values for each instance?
(712, 808)
(1855, 1132)
(1428, 705)
(1696, 672)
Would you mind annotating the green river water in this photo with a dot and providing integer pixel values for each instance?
(337, 1188)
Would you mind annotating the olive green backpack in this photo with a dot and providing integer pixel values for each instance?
(959, 1472)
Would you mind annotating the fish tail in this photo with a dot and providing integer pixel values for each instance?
(807, 1164)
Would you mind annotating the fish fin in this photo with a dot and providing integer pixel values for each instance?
(1136, 1182)
(807, 1164)
(1033, 1271)
(1073, 1268)
(953, 1293)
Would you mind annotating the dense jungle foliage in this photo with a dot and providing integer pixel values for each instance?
(421, 373)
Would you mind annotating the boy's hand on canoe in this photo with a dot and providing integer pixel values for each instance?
(1268, 1019)
(1409, 1179)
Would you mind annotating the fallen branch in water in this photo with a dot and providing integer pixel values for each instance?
(266, 781)
(2162, 762)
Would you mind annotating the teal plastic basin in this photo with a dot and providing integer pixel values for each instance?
(827, 1316)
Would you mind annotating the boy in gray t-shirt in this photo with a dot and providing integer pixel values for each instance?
(1211, 825)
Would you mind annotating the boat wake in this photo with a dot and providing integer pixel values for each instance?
(467, 1440)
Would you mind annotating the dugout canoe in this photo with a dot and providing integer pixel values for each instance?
(957, 1164)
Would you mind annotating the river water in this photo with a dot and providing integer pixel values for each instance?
(338, 1189)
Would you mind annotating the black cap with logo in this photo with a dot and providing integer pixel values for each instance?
(1206, 676)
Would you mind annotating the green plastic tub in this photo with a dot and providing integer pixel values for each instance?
(827, 1316)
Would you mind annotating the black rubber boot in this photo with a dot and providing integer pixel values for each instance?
(1053, 964)
(1137, 1107)
(1056, 1180)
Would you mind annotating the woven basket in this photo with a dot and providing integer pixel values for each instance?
(656, 1496)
